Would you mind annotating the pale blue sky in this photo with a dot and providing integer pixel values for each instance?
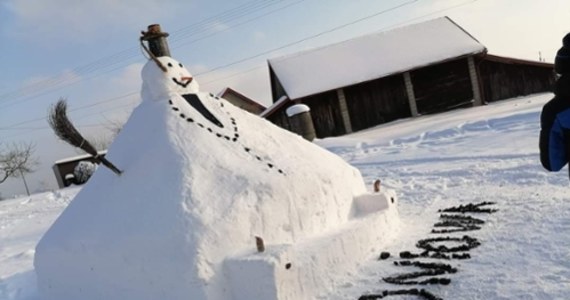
(87, 51)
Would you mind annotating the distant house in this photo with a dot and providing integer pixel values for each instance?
(64, 168)
(414, 70)
(241, 101)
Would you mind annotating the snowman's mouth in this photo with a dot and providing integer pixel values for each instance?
(185, 81)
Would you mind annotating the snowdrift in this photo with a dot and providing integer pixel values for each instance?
(201, 179)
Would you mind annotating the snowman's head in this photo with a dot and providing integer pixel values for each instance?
(159, 85)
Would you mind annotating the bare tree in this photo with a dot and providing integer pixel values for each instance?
(17, 160)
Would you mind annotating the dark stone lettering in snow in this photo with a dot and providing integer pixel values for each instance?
(437, 248)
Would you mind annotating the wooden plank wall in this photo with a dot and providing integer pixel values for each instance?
(277, 90)
(280, 118)
(376, 102)
(68, 167)
(504, 80)
(326, 113)
(442, 87)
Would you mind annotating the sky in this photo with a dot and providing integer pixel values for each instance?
(88, 51)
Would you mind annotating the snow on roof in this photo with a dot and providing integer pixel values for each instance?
(79, 157)
(274, 107)
(373, 56)
(244, 98)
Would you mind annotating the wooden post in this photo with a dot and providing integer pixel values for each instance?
(260, 245)
(301, 121)
(344, 110)
(156, 40)
(474, 82)
(411, 94)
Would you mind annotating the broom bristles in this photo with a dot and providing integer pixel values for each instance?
(65, 130)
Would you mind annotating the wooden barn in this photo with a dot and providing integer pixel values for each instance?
(65, 167)
(241, 101)
(415, 70)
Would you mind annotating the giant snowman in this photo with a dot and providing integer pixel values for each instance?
(201, 180)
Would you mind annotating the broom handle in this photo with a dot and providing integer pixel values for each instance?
(109, 165)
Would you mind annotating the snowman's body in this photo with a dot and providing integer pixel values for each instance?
(201, 179)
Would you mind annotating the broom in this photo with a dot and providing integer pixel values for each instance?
(63, 128)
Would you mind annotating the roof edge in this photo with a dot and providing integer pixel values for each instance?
(511, 60)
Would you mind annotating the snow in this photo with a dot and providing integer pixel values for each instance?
(194, 194)
(78, 157)
(487, 153)
(273, 107)
(297, 109)
(372, 56)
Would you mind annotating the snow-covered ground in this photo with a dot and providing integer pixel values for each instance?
(487, 153)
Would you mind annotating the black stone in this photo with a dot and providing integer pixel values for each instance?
(195, 102)
(384, 255)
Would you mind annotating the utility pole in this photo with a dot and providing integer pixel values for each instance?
(156, 40)
(25, 183)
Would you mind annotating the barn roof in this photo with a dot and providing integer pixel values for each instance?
(373, 56)
(229, 90)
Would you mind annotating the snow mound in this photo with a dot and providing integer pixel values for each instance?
(201, 179)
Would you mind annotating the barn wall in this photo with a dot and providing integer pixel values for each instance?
(245, 105)
(326, 114)
(280, 118)
(504, 80)
(376, 102)
(442, 87)
(277, 90)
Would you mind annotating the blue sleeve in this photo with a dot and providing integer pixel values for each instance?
(556, 146)
(555, 134)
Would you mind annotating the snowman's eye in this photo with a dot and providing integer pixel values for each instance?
(170, 65)
(180, 65)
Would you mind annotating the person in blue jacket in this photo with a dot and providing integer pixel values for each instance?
(554, 141)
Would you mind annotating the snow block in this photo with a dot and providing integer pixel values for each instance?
(308, 269)
(268, 275)
(370, 203)
(193, 194)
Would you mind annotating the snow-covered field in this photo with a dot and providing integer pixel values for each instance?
(473, 155)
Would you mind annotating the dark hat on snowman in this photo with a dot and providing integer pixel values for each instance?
(562, 60)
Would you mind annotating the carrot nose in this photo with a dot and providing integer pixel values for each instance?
(189, 79)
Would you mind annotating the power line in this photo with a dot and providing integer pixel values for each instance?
(308, 38)
(57, 82)
(272, 50)
(131, 104)
(14, 126)
(300, 41)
